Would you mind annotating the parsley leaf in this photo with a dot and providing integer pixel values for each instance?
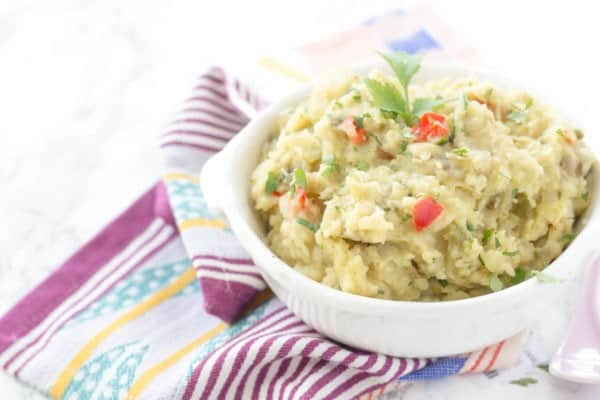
(380, 291)
(452, 134)
(487, 234)
(271, 183)
(495, 283)
(308, 224)
(386, 96)
(404, 65)
(362, 165)
(403, 146)
(470, 226)
(421, 106)
(497, 243)
(443, 282)
(300, 178)
(462, 151)
(566, 238)
(520, 275)
(465, 101)
(510, 253)
(544, 367)
(359, 122)
(585, 196)
(488, 94)
(524, 382)
(357, 97)
(517, 117)
(480, 257)
(332, 165)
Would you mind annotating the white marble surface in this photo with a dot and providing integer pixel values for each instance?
(86, 85)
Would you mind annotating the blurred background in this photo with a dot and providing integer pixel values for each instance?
(86, 86)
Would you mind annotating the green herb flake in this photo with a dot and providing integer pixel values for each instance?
(376, 139)
(359, 122)
(406, 217)
(524, 382)
(337, 105)
(452, 134)
(495, 283)
(367, 115)
(520, 275)
(461, 151)
(443, 282)
(528, 103)
(488, 94)
(300, 178)
(380, 291)
(331, 166)
(515, 193)
(362, 165)
(517, 117)
(470, 226)
(510, 253)
(308, 224)
(566, 238)
(560, 133)
(585, 196)
(271, 183)
(387, 209)
(497, 243)
(544, 367)
(480, 257)
(442, 141)
(403, 146)
(465, 101)
(357, 97)
(393, 167)
(487, 234)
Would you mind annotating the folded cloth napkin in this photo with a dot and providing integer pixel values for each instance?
(164, 303)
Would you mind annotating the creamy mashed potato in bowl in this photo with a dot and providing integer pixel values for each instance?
(388, 224)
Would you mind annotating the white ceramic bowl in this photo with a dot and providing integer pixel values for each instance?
(399, 328)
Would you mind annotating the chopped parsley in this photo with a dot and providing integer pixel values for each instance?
(376, 139)
(308, 224)
(332, 166)
(271, 183)
(495, 283)
(487, 234)
(299, 180)
(406, 217)
(362, 165)
(337, 104)
(357, 97)
(524, 381)
(488, 94)
(380, 291)
(443, 282)
(517, 117)
(367, 115)
(520, 275)
(566, 238)
(585, 196)
(510, 253)
(452, 134)
(470, 226)
(393, 102)
(480, 257)
(465, 101)
(515, 192)
(497, 242)
(403, 146)
(442, 141)
(461, 151)
(359, 122)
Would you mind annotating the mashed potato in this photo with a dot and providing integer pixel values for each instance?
(470, 198)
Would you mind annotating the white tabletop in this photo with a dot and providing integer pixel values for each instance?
(85, 86)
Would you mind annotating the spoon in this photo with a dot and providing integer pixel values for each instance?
(578, 357)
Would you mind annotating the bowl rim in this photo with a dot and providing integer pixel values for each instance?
(274, 266)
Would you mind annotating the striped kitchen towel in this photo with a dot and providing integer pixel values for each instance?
(164, 304)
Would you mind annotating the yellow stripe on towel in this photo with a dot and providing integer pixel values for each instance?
(173, 176)
(148, 376)
(201, 223)
(65, 377)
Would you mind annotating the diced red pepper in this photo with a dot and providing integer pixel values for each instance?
(301, 198)
(430, 125)
(425, 212)
(277, 194)
(356, 134)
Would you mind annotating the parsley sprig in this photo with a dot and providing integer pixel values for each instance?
(393, 102)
